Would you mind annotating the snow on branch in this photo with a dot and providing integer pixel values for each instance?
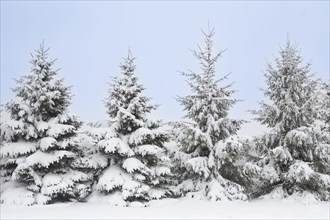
(16, 149)
(131, 164)
(148, 150)
(281, 154)
(47, 142)
(56, 130)
(141, 134)
(156, 193)
(112, 177)
(24, 169)
(160, 171)
(42, 126)
(61, 183)
(115, 145)
(11, 128)
(45, 159)
(199, 165)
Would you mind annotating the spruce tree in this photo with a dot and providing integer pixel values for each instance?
(133, 144)
(206, 140)
(297, 147)
(39, 140)
(324, 105)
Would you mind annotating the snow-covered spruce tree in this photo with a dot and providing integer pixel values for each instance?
(325, 105)
(38, 142)
(133, 143)
(207, 142)
(297, 147)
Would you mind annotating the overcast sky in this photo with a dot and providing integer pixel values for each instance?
(89, 39)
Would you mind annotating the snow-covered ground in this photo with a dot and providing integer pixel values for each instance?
(183, 208)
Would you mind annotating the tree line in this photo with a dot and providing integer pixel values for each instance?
(48, 155)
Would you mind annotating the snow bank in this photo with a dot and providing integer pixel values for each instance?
(173, 209)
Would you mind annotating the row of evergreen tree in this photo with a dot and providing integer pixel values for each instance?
(47, 155)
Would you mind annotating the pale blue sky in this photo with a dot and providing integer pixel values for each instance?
(89, 38)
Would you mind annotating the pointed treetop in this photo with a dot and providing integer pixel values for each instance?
(291, 90)
(40, 89)
(128, 65)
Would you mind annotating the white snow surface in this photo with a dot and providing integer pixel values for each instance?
(183, 208)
